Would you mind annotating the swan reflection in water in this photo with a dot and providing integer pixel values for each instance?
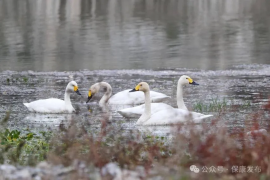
(51, 120)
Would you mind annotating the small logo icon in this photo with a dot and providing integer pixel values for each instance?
(193, 168)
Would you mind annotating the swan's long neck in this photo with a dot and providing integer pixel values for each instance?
(180, 100)
(147, 109)
(107, 94)
(67, 99)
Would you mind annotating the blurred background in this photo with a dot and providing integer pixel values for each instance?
(70, 35)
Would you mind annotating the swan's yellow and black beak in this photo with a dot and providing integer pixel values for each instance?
(77, 90)
(89, 96)
(192, 82)
(135, 89)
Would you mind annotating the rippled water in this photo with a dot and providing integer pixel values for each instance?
(238, 85)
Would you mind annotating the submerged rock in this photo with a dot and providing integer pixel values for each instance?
(113, 171)
(6, 168)
(23, 174)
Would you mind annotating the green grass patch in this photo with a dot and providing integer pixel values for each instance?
(217, 105)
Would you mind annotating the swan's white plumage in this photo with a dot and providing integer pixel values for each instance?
(138, 110)
(174, 116)
(53, 105)
(123, 97)
(166, 116)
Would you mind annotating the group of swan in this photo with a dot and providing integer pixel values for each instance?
(123, 97)
(138, 110)
(151, 113)
(166, 116)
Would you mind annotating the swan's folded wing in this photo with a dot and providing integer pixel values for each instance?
(133, 111)
(158, 97)
(51, 105)
(138, 110)
(166, 117)
(126, 97)
(174, 116)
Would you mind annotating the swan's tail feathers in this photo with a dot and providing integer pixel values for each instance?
(123, 113)
(199, 117)
(126, 113)
(28, 107)
(206, 116)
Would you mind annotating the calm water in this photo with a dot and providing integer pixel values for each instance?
(70, 35)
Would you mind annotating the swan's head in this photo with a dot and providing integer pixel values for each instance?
(72, 86)
(186, 80)
(142, 86)
(95, 89)
(92, 91)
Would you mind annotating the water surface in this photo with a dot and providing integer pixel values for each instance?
(237, 86)
(70, 35)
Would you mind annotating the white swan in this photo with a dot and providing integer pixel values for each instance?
(166, 116)
(138, 110)
(123, 97)
(54, 105)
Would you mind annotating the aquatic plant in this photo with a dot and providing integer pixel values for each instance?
(218, 105)
(21, 148)
(25, 79)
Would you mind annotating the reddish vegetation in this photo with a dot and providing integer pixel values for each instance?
(211, 145)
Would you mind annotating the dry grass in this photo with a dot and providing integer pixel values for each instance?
(207, 145)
